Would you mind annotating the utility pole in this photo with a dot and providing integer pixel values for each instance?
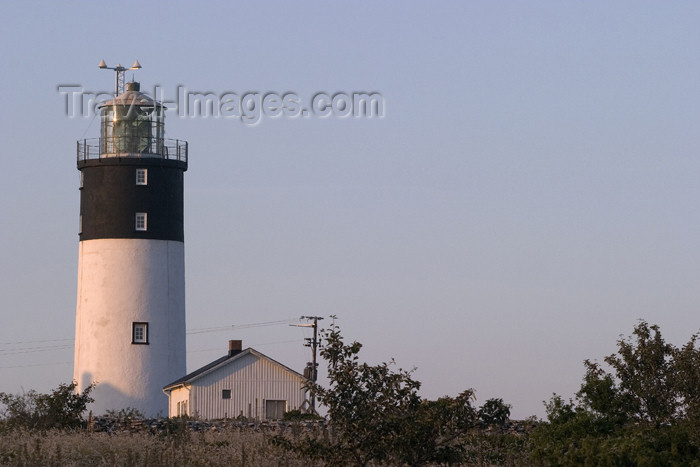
(311, 372)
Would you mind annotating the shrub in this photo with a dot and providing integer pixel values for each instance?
(494, 412)
(129, 412)
(298, 415)
(62, 408)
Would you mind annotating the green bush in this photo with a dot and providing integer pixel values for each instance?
(62, 408)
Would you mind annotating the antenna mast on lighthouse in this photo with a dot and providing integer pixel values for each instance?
(119, 70)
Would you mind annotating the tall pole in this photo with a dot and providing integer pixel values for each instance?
(313, 343)
(314, 373)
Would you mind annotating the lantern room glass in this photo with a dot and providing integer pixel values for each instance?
(132, 129)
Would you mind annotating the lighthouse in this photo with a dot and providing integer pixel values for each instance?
(130, 314)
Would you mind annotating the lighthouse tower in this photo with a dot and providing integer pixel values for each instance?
(130, 318)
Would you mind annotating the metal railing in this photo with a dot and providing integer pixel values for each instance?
(130, 146)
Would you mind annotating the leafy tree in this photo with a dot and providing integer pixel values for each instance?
(433, 431)
(377, 416)
(646, 374)
(365, 403)
(62, 408)
(642, 412)
(687, 362)
(494, 412)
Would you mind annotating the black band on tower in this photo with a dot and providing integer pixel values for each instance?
(112, 197)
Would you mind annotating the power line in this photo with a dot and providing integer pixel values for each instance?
(42, 349)
(37, 341)
(259, 344)
(33, 350)
(25, 350)
(241, 326)
(192, 331)
(36, 364)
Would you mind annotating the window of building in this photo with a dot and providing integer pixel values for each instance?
(81, 179)
(80, 224)
(225, 393)
(181, 409)
(274, 410)
(141, 221)
(139, 333)
(142, 176)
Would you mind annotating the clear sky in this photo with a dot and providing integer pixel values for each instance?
(530, 192)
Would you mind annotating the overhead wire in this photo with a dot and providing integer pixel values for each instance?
(35, 349)
(4, 352)
(241, 326)
(36, 364)
(33, 341)
(259, 344)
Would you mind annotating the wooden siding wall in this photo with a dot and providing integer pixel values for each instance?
(178, 395)
(252, 381)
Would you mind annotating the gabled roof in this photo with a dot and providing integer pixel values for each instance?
(223, 361)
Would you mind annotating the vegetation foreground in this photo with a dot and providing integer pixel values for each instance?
(232, 446)
(641, 409)
(81, 448)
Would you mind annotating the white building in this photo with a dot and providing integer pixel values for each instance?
(242, 383)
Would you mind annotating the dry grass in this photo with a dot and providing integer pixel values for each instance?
(230, 447)
(221, 445)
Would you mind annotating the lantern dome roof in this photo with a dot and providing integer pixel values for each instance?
(132, 97)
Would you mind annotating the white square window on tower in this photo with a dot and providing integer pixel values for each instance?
(139, 333)
(141, 221)
(142, 176)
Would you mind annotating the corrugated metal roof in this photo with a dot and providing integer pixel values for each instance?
(225, 360)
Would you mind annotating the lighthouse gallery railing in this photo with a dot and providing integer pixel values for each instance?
(129, 146)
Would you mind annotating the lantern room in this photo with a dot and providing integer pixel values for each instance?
(132, 123)
(132, 126)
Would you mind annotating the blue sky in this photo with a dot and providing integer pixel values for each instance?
(530, 193)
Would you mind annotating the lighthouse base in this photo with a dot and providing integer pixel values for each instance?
(130, 322)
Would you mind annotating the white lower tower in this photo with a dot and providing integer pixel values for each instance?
(130, 318)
